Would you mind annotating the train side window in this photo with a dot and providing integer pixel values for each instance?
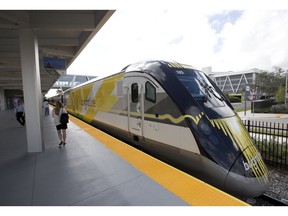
(150, 92)
(134, 93)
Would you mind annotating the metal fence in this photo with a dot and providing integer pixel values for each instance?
(271, 140)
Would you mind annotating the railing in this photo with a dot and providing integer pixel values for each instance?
(271, 140)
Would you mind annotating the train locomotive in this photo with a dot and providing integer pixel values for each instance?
(179, 115)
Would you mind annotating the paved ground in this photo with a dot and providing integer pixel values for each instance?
(84, 173)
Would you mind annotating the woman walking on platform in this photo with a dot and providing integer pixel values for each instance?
(60, 127)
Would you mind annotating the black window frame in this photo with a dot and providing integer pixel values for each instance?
(148, 89)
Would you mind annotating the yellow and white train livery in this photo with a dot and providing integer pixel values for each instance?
(177, 114)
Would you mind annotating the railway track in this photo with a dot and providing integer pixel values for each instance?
(266, 200)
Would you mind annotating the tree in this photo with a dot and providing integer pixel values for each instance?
(280, 95)
(269, 82)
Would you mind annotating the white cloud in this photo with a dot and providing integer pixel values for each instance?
(132, 35)
(258, 38)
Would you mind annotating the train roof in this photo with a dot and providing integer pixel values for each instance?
(146, 66)
(149, 65)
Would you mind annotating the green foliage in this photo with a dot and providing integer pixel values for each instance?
(280, 94)
(272, 150)
(269, 82)
(234, 99)
(263, 106)
(279, 108)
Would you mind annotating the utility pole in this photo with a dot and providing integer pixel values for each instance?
(247, 89)
(286, 69)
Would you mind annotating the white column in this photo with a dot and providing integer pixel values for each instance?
(32, 89)
(2, 100)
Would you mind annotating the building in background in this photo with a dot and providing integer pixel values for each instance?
(67, 81)
(235, 83)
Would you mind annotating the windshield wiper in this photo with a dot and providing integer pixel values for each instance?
(210, 90)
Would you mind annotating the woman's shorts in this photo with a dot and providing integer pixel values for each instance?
(61, 126)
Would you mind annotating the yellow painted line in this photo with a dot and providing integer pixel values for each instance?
(186, 187)
(279, 115)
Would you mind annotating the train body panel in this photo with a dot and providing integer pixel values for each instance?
(178, 114)
(171, 135)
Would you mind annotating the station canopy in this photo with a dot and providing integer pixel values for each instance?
(61, 34)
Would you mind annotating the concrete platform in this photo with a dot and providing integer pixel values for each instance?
(93, 169)
(83, 173)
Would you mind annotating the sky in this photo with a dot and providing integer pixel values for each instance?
(222, 38)
(226, 35)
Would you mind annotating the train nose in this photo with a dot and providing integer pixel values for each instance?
(248, 175)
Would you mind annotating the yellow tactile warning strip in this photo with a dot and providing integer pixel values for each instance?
(280, 115)
(186, 187)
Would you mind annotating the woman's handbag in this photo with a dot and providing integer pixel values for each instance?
(64, 117)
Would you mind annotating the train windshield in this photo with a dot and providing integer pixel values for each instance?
(200, 88)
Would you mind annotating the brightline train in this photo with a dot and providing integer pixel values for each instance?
(178, 114)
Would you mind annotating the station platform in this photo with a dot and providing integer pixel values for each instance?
(93, 169)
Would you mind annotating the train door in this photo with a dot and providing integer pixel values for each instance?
(135, 104)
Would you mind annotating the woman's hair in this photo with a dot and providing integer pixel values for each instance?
(59, 105)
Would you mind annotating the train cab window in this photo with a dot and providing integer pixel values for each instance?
(192, 86)
(134, 93)
(150, 92)
(200, 88)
